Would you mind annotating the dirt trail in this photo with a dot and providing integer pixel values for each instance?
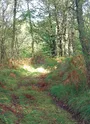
(40, 106)
(30, 103)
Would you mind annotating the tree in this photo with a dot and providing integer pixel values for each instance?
(5, 29)
(83, 36)
(31, 26)
(14, 27)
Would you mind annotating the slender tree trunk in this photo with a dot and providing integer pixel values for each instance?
(69, 44)
(84, 38)
(31, 27)
(59, 38)
(2, 48)
(64, 31)
(73, 41)
(71, 47)
(64, 40)
(72, 29)
(14, 27)
(52, 36)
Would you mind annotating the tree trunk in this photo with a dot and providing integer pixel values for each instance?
(2, 37)
(69, 44)
(52, 35)
(31, 27)
(14, 27)
(2, 50)
(59, 37)
(84, 38)
(64, 31)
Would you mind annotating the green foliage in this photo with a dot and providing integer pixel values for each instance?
(77, 99)
(25, 53)
(8, 118)
(38, 58)
(7, 79)
(76, 95)
(78, 47)
(81, 104)
(59, 91)
(65, 91)
(46, 49)
(4, 96)
(50, 62)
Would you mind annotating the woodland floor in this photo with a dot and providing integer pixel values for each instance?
(26, 100)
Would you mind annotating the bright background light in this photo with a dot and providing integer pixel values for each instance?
(32, 69)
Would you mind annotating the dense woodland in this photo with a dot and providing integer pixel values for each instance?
(44, 61)
(50, 26)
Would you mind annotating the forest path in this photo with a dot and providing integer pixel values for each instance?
(38, 107)
(25, 99)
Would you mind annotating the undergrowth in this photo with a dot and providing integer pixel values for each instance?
(24, 101)
(71, 86)
(40, 59)
(78, 100)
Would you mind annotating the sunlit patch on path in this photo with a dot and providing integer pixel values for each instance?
(32, 69)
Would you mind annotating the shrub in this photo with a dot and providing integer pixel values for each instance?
(38, 58)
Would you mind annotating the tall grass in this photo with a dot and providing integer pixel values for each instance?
(72, 87)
